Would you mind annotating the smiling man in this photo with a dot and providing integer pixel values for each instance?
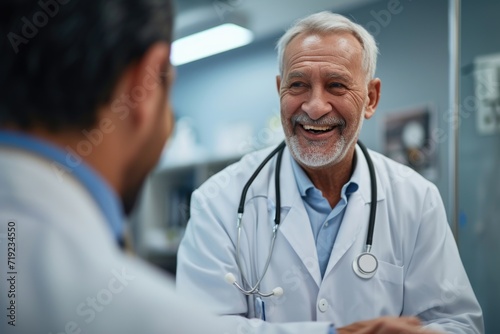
(327, 230)
(324, 99)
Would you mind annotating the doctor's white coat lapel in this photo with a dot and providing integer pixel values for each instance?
(295, 225)
(355, 222)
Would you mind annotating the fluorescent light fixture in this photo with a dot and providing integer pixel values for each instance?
(209, 42)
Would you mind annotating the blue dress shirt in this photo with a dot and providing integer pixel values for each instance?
(325, 221)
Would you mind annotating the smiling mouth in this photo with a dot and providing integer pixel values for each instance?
(318, 129)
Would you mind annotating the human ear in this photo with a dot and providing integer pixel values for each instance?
(373, 97)
(150, 80)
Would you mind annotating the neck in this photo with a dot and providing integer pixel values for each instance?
(331, 179)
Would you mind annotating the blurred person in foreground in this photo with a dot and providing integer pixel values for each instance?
(84, 114)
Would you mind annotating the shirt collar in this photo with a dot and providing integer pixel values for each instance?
(101, 192)
(305, 185)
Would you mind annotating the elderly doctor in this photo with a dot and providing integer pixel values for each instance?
(306, 248)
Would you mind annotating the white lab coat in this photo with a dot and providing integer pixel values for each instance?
(420, 272)
(72, 277)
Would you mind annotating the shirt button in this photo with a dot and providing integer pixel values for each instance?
(323, 305)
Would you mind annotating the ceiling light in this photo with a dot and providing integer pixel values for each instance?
(209, 42)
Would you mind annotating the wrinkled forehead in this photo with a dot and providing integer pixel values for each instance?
(339, 47)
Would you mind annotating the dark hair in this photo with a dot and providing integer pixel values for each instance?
(60, 59)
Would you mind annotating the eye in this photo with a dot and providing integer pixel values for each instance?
(336, 85)
(297, 87)
(297, 84)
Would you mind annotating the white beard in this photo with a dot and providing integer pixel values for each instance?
(315, 157)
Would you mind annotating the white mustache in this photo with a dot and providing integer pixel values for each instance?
(323, 121)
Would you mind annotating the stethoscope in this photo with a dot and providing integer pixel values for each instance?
(365, 265)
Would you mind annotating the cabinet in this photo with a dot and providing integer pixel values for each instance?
(162, 210)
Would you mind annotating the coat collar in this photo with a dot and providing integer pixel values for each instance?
(289, 190)
(67, 162)
(365, 182)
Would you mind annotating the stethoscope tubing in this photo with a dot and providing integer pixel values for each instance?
(279, 150)
(373, 206)
(254, 290)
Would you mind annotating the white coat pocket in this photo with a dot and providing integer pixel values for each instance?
(388, 284)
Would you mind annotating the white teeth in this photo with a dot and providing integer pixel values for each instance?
(317, 128)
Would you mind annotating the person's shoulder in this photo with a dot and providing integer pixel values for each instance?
(396, 174)
(403, 185)
(250, 161)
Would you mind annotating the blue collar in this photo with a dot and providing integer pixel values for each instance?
(306, 187)
(102, 193)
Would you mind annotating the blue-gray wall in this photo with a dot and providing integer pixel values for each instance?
(228, 89)
(479, 166)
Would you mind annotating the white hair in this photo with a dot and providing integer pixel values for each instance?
(325, 22)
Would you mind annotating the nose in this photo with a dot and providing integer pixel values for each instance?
(317, 104)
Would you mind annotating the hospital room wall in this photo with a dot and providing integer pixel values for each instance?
(231, 97)
(479, 163)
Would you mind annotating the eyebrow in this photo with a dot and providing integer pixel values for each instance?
(337, 76)
(295, 74)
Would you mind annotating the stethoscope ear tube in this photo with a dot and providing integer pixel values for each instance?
(278, 291)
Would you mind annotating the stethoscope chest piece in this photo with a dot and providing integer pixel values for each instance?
(365, 265)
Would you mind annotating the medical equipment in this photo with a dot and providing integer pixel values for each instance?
(365, 265)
